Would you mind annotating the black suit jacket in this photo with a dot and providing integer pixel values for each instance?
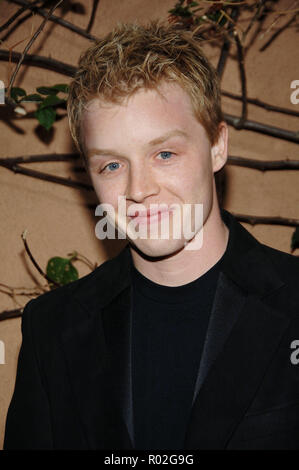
(73, 387)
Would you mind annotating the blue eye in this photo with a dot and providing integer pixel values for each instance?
(112, 166)
(165, 155)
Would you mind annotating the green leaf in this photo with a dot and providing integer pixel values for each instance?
(47, 90)
(61, 87)
(295, 239)
(51, 100)
(46, 117)
(16, 92)
(184, 12)
(32, 98)
(53, 90)
(61, 270)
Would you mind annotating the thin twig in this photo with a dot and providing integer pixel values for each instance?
(230, 19)
(13, 294)
(40, 61)
(6, 314)
(13, 164)
(223, 57)
(79, 257)
(263, 165)
(240, 56)
(51, 178)
(278, 15)
(16, 15)
(262, 104)
(259, 11)
(28, 291)
(223, 31)
(262, 128)
(256, 219)
(56, 19)
(226, 45)
(39, 29)
(9, 162)
(224, 3)
(277, 33)
(92, 16)
(35, 262)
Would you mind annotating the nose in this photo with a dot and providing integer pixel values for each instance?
(141, 184)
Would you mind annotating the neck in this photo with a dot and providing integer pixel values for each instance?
(187, 265)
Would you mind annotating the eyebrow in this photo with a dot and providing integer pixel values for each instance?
(157, 141)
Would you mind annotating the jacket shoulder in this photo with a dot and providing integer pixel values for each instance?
(49, 308)
(286, 264)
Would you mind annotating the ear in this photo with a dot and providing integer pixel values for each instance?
(220, 148)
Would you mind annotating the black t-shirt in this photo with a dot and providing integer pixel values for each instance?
(169, 326)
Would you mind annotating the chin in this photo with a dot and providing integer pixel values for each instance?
(157, 248)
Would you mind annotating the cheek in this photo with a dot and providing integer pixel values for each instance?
(198, 181)
(106, 193)
(194, 176)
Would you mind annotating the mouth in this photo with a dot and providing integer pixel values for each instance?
(149, 216)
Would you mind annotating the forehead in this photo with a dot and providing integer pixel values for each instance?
(167, 102)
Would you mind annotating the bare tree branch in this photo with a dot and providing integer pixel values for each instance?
(278, 32)
(16, 15)
(261, 6)
(240, 55)
(262, 128)
(263, 165)
(9, 162)
(93, 14)
(39, 29)
(36, 265)
(40, 61)
(6, 314)
(56, 19)
(262, 104)
(256, 219)
(47, 177)
(226, 45)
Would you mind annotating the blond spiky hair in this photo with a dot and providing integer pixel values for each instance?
(134, 56)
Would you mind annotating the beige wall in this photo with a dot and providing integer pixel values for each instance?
(58, 219)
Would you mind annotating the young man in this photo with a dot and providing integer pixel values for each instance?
(179, 342)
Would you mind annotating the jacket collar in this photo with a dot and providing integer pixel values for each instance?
(242, 335)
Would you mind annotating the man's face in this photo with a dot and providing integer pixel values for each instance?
(152, 150)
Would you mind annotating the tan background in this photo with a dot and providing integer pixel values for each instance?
(58, 219)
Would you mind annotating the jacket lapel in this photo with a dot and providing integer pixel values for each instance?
(228, 384)
(96, 343)
(243, 334)
(228, 303)
(117, 322)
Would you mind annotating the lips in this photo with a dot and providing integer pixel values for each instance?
(149, 215)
